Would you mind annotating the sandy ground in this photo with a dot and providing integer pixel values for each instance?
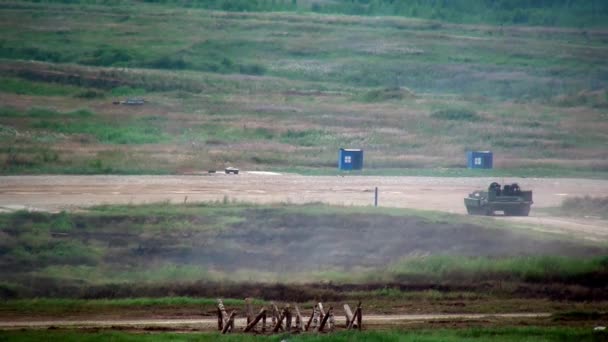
(210, 323)
(430, 193)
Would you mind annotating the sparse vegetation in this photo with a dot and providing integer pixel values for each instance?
(456, 115)
(177, 245)
(313, 83)
(386, 94)
(586, 206)
(281, 85)
(24, 87)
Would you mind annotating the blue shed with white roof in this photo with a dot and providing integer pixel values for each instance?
(350, 159)
(479, 160)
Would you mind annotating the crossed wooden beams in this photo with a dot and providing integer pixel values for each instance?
(281, 320)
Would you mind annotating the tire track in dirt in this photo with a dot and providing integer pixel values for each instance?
(210, 323)
(62, 192)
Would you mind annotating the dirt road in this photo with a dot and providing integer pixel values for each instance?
(210, 323)
(429, 193)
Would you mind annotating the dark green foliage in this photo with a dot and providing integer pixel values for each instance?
(112, 133)
(127, 91)
(236, 5)
(456, 114)
(31, 53)
(387, 94)
(542, 12)
(108, 56)
(82, 121)
(9, 112)
(168, 62)
(44, 113)
(251, 69)
(548, 13)
(24, 87)
(90, 94)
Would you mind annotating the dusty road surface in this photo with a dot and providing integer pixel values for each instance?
(430, 193)
(210, 323)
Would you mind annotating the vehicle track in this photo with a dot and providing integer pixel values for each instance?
(210, 323)
(63, 192)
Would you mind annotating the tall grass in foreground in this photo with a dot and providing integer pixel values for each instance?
(471, 334)
(536, 268)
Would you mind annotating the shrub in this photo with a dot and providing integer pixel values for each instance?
(252, 69)
(385, 94)
(107, 57)
(168, 63)
(51, 113)
(25, 87)
(89, 94)
(9, 112)
(127, 91)
(456, 114)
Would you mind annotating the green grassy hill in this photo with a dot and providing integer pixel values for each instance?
(158, 249)
(285, 90)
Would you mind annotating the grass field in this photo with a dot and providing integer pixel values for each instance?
(285, 90)
(168, 249)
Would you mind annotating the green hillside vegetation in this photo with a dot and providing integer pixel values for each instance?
(152, 249)
(238, 85)
(577, 13)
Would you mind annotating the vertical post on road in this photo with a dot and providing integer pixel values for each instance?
(376, 197)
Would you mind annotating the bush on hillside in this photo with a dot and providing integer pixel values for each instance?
(456, 114)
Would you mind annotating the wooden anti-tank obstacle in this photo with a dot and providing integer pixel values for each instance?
(319, 320)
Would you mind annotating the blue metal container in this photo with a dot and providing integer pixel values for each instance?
(350, 159)
(479, 160)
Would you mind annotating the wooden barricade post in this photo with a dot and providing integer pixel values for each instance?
(299, 320)
(355, 321)
(310, 318)
(279, 324)
(220, 320)
(321, 312)
(229, 324)
(325, 318)
(315, 318)
(222, 315)
(359, 316)
(349, 315)
(255, 321)
(248, 310)
(275, 314)
(287, 310)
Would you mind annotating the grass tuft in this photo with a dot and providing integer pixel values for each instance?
(586, 206)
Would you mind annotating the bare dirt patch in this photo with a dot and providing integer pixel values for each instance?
(427, 193)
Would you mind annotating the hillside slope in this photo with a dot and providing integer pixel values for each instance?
(286, 90)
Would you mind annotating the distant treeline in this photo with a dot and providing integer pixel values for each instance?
(577, 13)
(574, 13)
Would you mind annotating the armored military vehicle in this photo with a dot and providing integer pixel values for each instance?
(511, 200)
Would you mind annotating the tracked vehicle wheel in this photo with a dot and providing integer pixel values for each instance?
(480, 211)
(524, 211)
